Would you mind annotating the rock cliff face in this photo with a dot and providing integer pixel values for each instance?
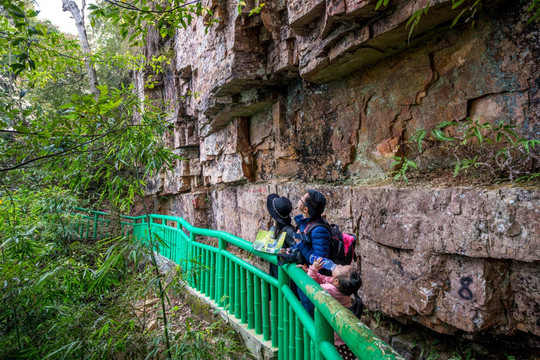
(319, 94)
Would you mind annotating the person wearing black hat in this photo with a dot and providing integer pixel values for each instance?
(280, 209)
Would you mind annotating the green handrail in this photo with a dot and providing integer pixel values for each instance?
(266, 305)
(93, 222)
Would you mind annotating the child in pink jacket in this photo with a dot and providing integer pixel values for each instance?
(343, 283)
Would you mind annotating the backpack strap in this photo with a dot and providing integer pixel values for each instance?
(312, 225)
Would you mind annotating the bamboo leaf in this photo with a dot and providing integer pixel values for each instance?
(478, 134)
(439, 135)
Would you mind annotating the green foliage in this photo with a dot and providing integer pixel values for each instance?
(133, 19)
(467, 10)
(26, 49)
(534, 7)
(93, 146)
(381, 3)
(415, 18)
(52, 124)
(377, 315)
(473, 149)
(208, 343)
(418, 139)
(25, 213)
(429, 349)
(31, 46)
(56, 288)
(254, 10)
(66, 297)
(467, 356)
(404, 165)
(463, 165)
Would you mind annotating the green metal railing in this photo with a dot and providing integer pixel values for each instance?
(266, 305)
(94, 224)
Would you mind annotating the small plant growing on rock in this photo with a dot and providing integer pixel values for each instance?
(377, 317)
(472, 149)
(467, 356)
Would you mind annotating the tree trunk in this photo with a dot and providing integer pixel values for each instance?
(71, 6)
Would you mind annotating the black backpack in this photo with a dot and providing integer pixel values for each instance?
(343, 244)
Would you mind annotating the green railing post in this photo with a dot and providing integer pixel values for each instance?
(299, 340)
(188, 260)
(266, 315)
(232, 288)
(324, 332)
(81, 235)
(283, 279)
(243, 295)
(208, 272)
(258, 310)
(87, 228)
(226, 295)
(250, 300)
(213, 275)
(274, 316)
(307, 343)
(220, 272)
(181, 255)
(207, 261)
(237, 288)
(292, 328)
(96, 215)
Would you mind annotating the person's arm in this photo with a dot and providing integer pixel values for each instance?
(313, 272)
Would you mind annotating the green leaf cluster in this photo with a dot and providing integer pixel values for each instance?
(254, 10)
(534, 8)
(492, 152)
(135, 18)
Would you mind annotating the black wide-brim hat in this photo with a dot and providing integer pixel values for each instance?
(280, 208)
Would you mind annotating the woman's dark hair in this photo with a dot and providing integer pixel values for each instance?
(349, 284)
(278, 227)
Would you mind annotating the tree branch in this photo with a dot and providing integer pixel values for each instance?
(134, 8)
(61, 153)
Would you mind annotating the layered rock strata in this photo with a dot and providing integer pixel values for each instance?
(321, 94)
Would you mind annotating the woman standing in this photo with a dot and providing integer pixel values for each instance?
(280, 209)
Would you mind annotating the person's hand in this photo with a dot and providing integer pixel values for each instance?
(302, 266)
(317, 264)
(282, 251)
